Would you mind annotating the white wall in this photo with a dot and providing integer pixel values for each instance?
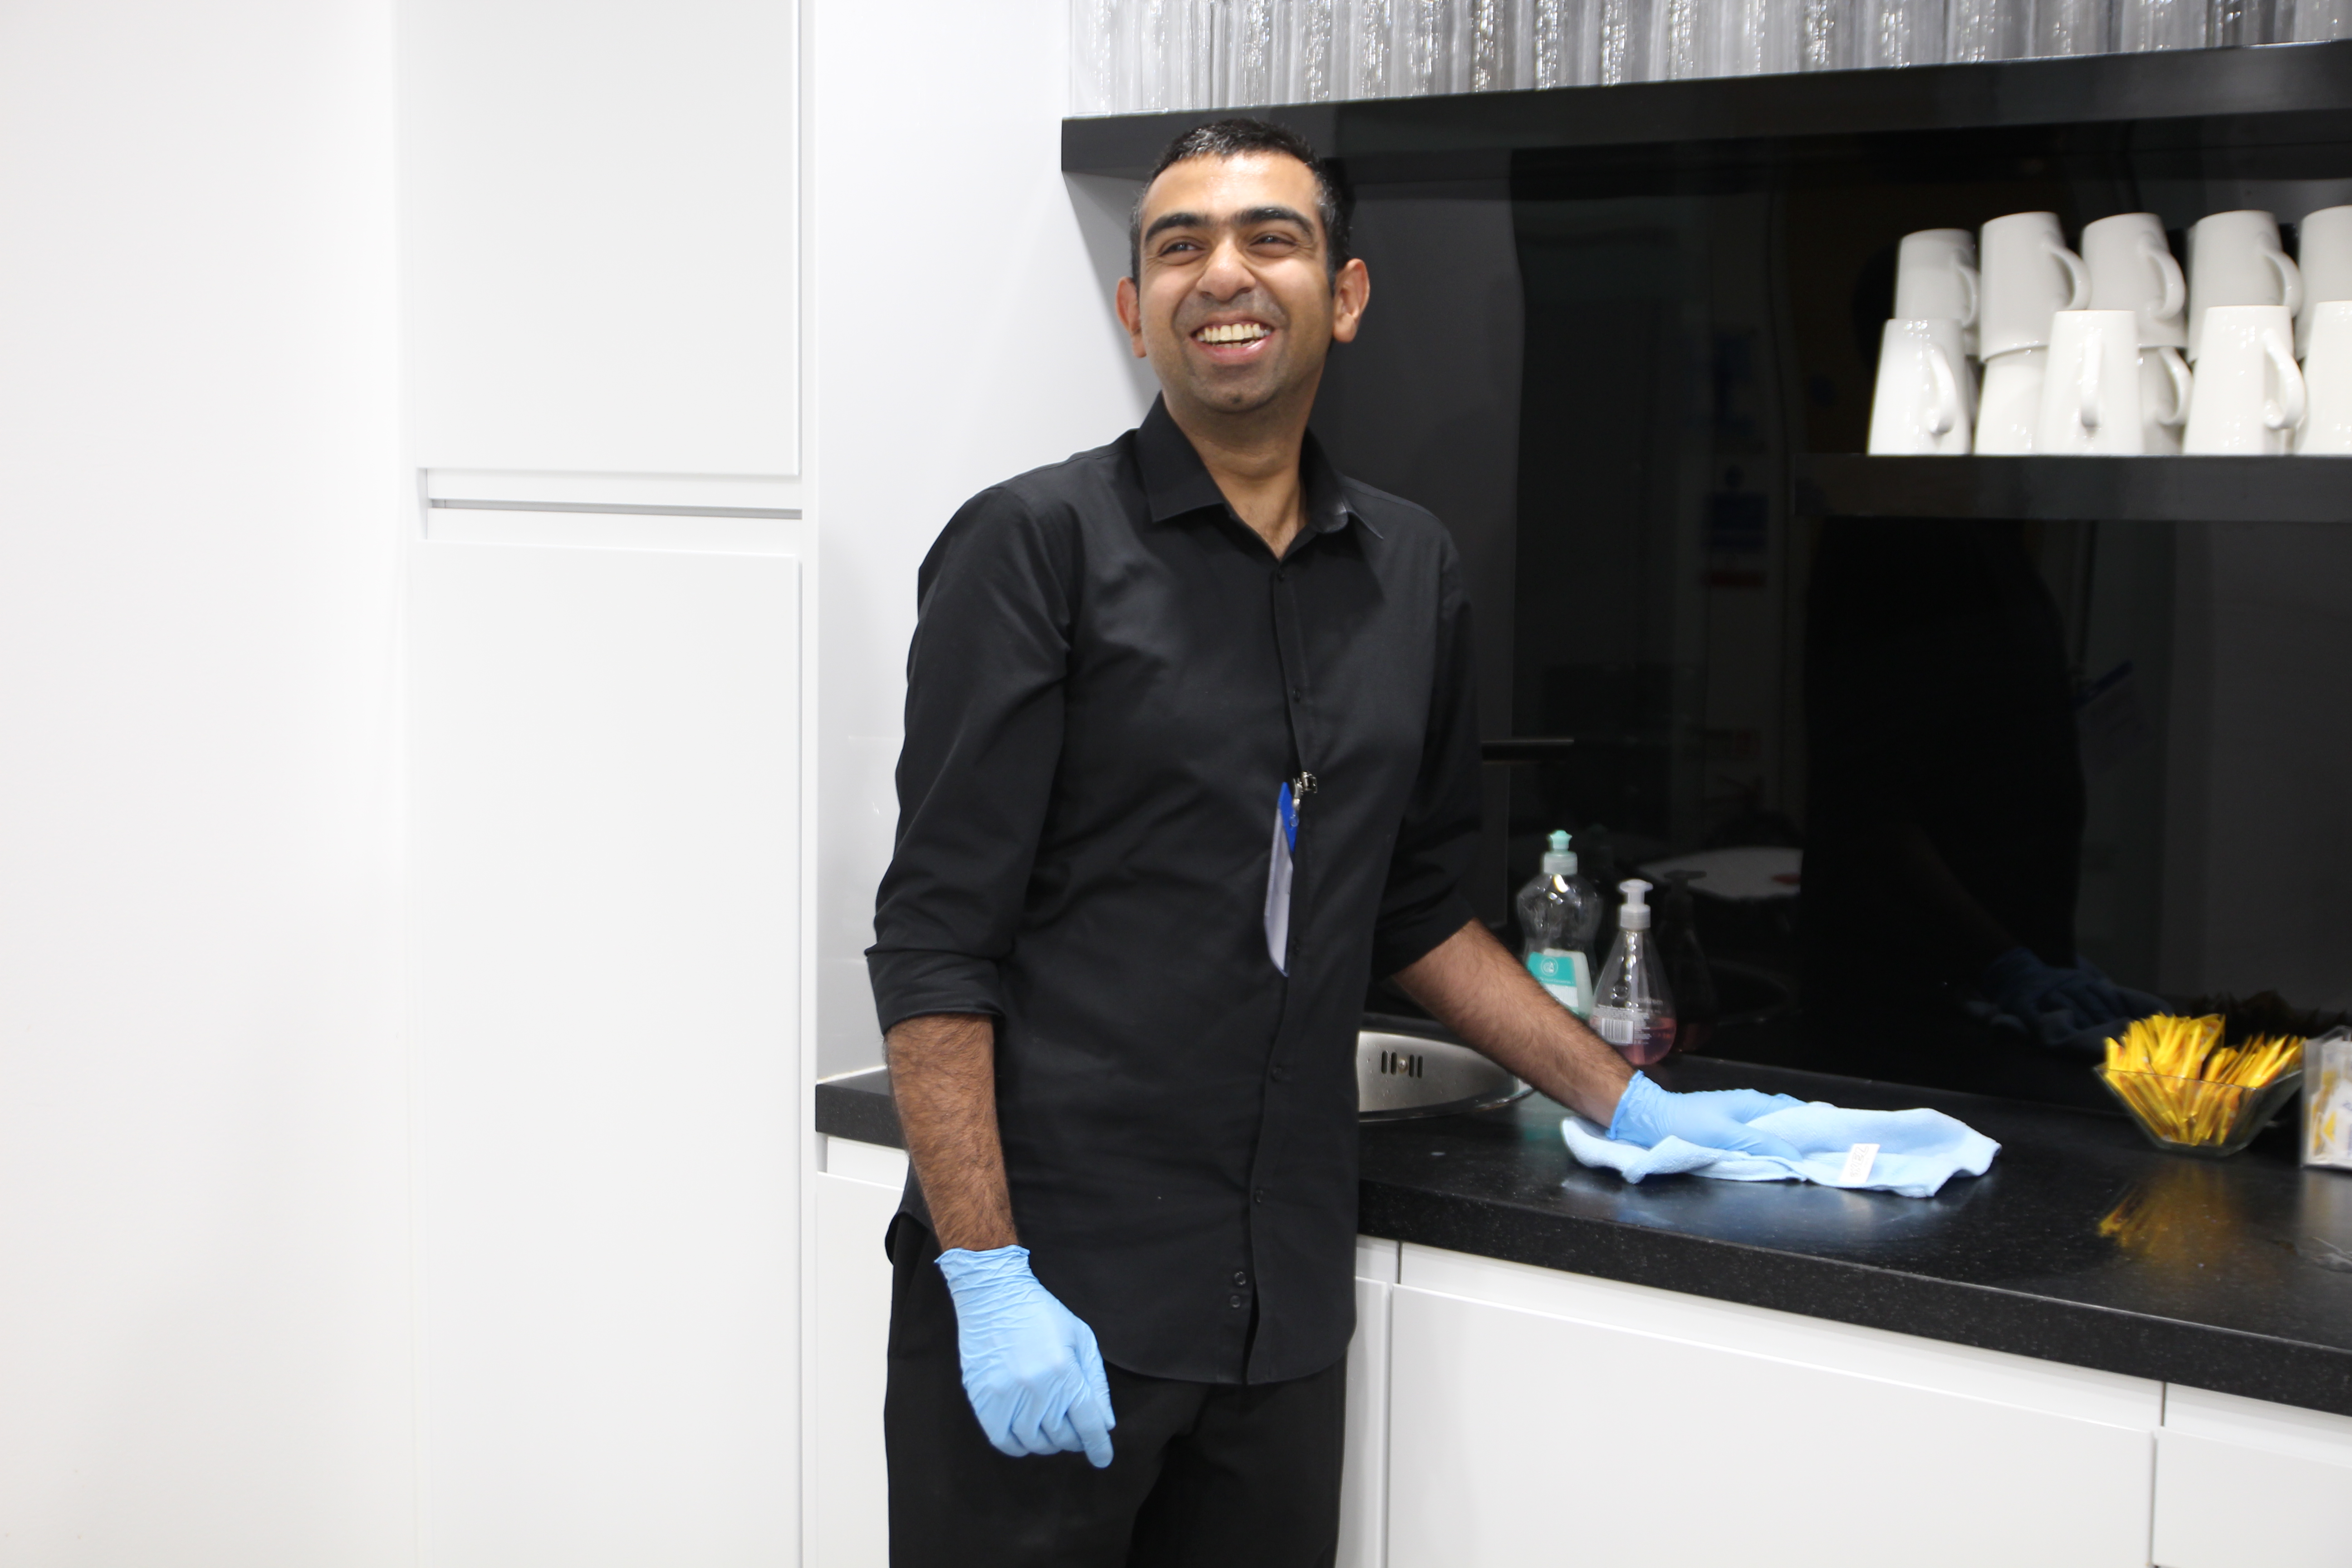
(961, 332)
(204, 1293)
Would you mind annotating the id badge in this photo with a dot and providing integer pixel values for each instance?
(1277, 879)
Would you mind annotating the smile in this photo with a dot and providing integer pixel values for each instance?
(1234, 333)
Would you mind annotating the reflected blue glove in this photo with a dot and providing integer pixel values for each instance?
(1030, 1367)
(1717, 1119)
(2053, 1002)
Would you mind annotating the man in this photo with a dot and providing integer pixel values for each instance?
(1190, 756)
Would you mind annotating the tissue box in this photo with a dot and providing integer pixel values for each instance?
(2327, 1099)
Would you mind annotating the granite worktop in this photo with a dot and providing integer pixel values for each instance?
(2082, 1244)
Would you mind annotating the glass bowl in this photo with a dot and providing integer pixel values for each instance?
(2198, 1116)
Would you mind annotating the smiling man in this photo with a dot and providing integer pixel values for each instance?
(1189, 758)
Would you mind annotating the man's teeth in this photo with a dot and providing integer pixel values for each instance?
(1235, 332)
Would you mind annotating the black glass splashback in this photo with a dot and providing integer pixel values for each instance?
(1898, 743)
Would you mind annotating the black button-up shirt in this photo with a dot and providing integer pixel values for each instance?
(1110, 679)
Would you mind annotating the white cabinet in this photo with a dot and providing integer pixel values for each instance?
(608, 1092)
(1568, 1420)
(2242, 1483)
(600, 234)
(1363, 1480)
(849, 1498)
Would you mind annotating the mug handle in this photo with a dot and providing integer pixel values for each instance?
(2078, 277)
(2168, 272)
(1947, 394)
(1968, 277)
(2094, 359)
(2290, 281)
(2287, 413)
(2182, 386)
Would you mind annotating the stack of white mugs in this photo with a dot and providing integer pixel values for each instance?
(2115, 351)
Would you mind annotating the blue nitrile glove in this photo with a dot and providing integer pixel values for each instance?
(1717, 1119)
(1030, 1367)
(2054, 1001)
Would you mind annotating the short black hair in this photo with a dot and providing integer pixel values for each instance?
(1231, 139)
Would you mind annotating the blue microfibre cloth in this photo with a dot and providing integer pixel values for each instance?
(1918, 1151)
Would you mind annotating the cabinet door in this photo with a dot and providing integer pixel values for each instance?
(2241, 1483)
(1516, 1437)
(605, 761)
(600, 234)
(849, 1502)
(1364, 1482)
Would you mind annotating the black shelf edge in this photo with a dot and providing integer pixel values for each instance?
(2060, 489)
(1395, 137)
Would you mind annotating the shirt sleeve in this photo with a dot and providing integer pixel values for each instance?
(983, 737)
(1437, 841)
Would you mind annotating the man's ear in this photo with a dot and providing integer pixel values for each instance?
(1130, 314)
(1351, 291)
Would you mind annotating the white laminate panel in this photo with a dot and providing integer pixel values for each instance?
(2053, 1386)
(2244, 1483)
(873, 1162)
(1517, 1437)
(605, 787)
(601, 234)
(1376, 1259)
(654, 490)
(1363, 1483)
(848, 1524)
(572, 528)
(2235, 1505)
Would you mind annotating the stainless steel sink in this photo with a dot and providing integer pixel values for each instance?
(1399, 1076)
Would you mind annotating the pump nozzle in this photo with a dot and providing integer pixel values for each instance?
(1558, 859)
(1635, 915)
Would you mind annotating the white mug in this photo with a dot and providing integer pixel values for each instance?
(2249, 395)
(2008, 408)
(2090, 392)
(1921, 403)
(2235, 258)
(2327, 379)
(2164, 388)
(2323, 248)
(1935, 280)
(2029, 276)
(2132, 269)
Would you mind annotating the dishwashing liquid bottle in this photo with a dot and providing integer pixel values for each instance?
(1558, 913)
(1632, 1008)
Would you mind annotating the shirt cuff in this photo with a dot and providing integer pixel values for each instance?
(1405, 940)
(911, 984)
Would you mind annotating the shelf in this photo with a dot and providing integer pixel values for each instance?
(2270, 95)
(2056, 489)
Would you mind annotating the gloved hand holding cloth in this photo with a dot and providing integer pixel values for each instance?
(1030, 1367)
(1746, 1135)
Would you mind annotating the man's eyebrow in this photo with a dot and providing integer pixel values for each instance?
(1175, 220)
(1241, 219)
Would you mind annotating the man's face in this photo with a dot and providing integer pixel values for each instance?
(1235, 306)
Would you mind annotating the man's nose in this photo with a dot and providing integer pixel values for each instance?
(1227, 273)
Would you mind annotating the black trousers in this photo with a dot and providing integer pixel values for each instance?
(1204, 1474)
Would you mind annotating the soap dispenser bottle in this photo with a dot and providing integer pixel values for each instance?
(1558, 913)
(1632, 1009)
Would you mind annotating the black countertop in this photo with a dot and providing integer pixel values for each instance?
(2082, 1244)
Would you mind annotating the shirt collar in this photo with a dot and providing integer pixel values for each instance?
(1175, 480)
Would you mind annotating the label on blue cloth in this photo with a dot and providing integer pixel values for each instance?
(1277, 879)
(1858, 1161)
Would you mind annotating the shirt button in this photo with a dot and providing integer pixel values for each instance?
(1258, 1197)
(1232, 1301)
(1297, 694)
(1241, 1277)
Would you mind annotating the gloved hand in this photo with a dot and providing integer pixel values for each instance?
(1715, 1119)
(1030, 1367)
(2053, 1002)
